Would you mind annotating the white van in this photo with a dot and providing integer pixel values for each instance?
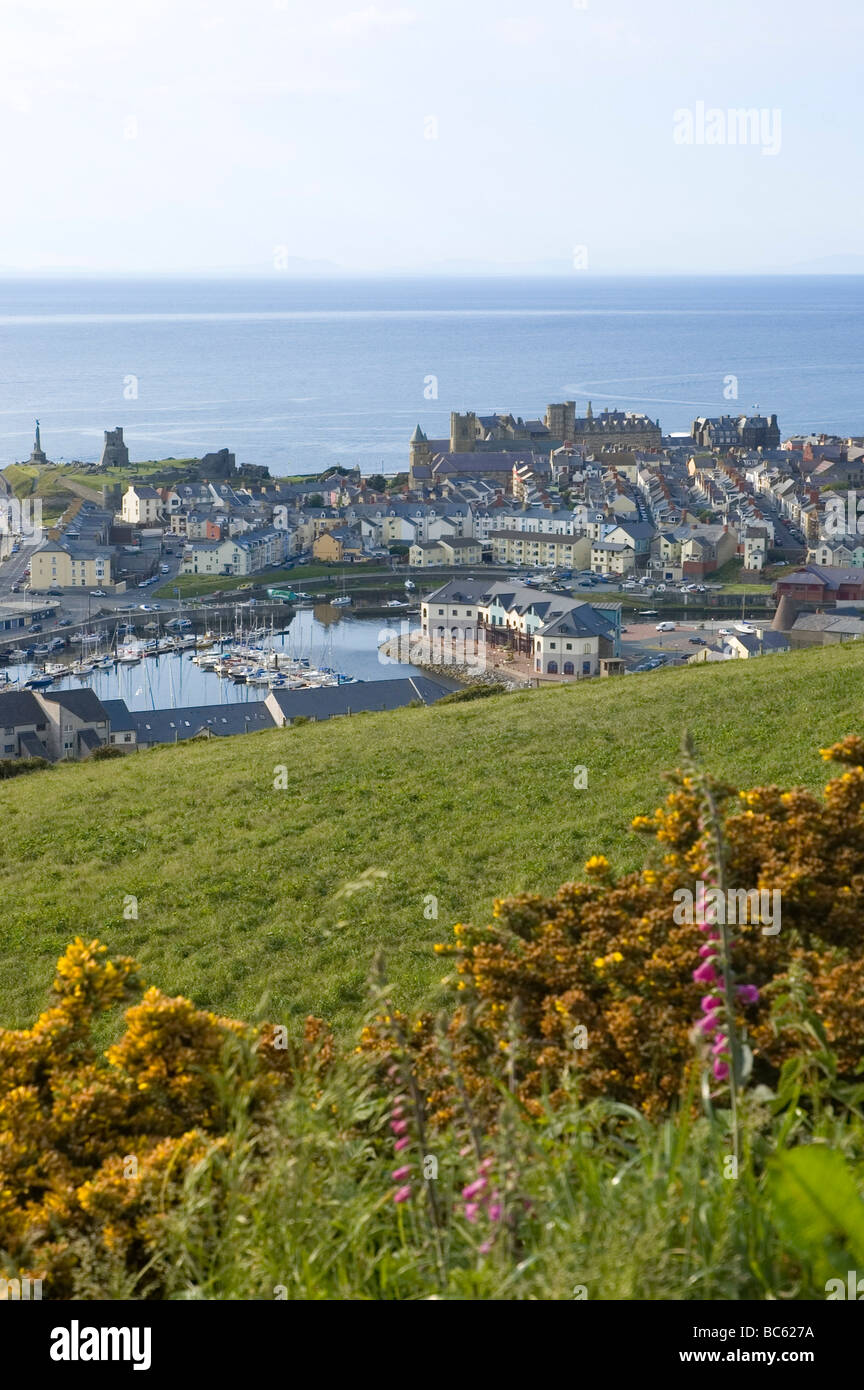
(665, 627)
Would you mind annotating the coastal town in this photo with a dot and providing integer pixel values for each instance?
(552, 549)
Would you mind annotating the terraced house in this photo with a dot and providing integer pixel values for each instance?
(511, 547)
(62, 725)
(242, 554)
(68, 564)
(556, 635)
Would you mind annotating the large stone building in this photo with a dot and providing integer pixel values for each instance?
(736, 432)
(493, 440)
(611, 429)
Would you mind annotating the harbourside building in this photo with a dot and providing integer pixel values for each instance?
(554, 635)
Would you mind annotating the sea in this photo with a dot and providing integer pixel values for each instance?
(303, 374)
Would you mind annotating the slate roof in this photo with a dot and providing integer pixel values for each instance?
(31, 747)
(168, 725)
(329, 701)
(119, 718)
(20, 707)
(84, 704)
(458, 591)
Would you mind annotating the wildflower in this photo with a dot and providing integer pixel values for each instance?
(721, 1070)
(472, 1210)
(710, 1002)
(748, 994)
(401, 1144)
(495, 1211)
(706, 974)
(402, 1194)
(597, 864)
(474, 1188)
(398, 1126)
(399, 1173)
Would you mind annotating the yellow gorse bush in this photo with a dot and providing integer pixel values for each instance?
(93, 1147)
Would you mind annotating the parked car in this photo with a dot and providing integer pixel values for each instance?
(166, 569)
(665, 627)
(35, 627)
(697, 641)
(98, 593)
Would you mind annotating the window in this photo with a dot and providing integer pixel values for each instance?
(9, 731)
(568, 668)
(552, 668)
(10, 748)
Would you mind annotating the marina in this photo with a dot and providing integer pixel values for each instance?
(173, 667)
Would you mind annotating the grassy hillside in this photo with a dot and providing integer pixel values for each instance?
(238, 884)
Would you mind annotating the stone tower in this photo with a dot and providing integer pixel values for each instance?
(561, 420)
(114, 452)
(463, 432)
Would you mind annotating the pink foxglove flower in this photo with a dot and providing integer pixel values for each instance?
(474, 1189)
(748, 994)
(706, 974)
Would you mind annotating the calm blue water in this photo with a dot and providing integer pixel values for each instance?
(299, 375)
(345, 644)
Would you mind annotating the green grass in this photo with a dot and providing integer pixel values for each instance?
(196, 585)
(239, 885)
(607, 1207)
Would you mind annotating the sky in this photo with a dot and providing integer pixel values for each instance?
(431, 136)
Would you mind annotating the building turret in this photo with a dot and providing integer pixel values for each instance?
(418, 453)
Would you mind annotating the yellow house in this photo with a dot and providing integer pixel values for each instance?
(334, 547)
(64, 565)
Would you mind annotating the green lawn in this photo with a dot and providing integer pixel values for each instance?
(197, 586)
(239, 884)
